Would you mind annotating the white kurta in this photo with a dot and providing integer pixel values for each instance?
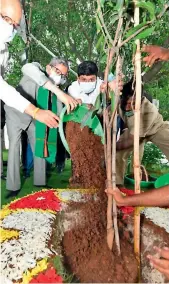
(75, 92)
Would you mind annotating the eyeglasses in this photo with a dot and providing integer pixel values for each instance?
(64, 76)
(10, 21)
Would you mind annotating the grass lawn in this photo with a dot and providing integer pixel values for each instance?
(54, 180)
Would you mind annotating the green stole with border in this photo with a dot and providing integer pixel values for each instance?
(46, 138)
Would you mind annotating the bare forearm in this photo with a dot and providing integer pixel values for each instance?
(124, 145)
(155, 197)
(54, 89)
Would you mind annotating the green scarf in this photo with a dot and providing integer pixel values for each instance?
(46, 138)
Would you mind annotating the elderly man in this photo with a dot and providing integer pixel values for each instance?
(32, 86)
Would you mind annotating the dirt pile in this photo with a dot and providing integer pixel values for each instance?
(87, 254)
(85, 246)
(87, 155)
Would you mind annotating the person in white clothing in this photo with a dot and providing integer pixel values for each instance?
(10, 16)
(88, 85)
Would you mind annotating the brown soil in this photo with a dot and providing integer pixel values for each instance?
(151, 235)
(87, 253)
(85, 246)
(87, 155)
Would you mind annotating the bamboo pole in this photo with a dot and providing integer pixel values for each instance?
(117, 94)
(136, 138)
(110, 229)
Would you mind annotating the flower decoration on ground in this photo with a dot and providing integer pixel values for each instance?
(48, 276)
(26, 231)
(45, 200)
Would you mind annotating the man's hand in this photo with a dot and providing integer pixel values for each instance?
(79, 101)
(161, 264)
(118, 196)
(47, 117)
(155, 53)
(89, 106)
(70, 102)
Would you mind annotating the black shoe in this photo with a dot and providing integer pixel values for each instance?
(3, 177)
(12, 193)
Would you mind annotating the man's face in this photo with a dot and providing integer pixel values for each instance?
(87, 78)
(59, 69)
(58, 74)
(130, 104)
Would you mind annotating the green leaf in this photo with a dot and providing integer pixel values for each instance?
(100, 41)
(98, 26)
(145, 33)
(119, 5)
(135, 29)
(113, 20)
(102, 3)
(104, 58)
(148, 6)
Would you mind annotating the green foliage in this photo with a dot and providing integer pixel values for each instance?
(152, 155)
(149, 6)
(15, 49)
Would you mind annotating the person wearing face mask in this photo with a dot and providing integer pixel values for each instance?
(88, 85)
(152, 128)
(31, 87)
(10, 16)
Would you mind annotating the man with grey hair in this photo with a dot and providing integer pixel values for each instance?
(34, 78)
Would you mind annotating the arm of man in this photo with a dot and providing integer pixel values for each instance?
(154, 197)
(36, 73)
(155, 53)
(125, 143)
(161, 263)
(13, 99)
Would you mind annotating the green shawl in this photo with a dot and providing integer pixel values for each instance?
(46, 138)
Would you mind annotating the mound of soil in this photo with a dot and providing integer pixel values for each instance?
(87, 155)
(87, 254)
(85, 246)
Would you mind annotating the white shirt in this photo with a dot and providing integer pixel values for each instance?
(8, 94)
(75, 92)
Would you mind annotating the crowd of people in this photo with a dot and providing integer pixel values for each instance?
(41, 89)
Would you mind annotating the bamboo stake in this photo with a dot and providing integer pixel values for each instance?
(117, 94)
(136, 139)
(110, 230)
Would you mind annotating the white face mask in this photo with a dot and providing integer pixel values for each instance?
(7, 31)
(57, 79)
(87, 87)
